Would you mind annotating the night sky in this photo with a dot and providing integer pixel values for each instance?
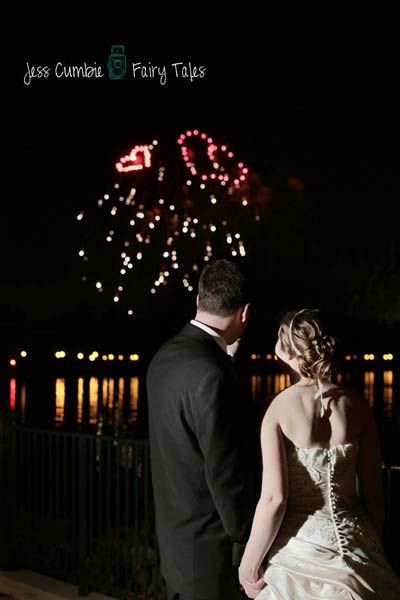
(316, 105)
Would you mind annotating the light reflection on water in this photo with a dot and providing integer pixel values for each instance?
(120, 392)
(78, 401)
(84, 400)
(134, 400)
(60, 401)
(93, 400)
(369, 383)
(388, 393)
(13, 393)
(105, 391)
(110, 393)
(23, 402)
(282, 381)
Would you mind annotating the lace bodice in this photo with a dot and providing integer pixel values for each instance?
(322, 478)
(323, 503)
(326, 547)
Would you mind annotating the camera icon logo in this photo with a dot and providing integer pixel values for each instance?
(117, 63)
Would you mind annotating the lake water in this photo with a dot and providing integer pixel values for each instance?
(116, 404)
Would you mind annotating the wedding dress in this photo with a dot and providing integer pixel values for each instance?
(326, 547)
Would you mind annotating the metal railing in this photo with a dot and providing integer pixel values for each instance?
(82, 510)
(391, 537)
(79, 507)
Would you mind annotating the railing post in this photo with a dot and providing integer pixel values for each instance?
(8, 494)
(82, 516)
(388, 493)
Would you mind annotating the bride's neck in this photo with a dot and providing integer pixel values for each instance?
(305, 381)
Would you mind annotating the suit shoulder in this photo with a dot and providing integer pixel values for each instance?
(186, 353)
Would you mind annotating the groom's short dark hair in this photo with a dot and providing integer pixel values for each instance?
(223, 288)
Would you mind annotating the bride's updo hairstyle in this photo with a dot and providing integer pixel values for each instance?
(303, 335)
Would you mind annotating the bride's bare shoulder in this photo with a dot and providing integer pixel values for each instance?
(282, 399)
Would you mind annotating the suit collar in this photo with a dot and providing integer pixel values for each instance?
(203, 336)
(196, 332)
(214, 334)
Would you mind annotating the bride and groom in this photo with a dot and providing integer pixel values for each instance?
(303, 533)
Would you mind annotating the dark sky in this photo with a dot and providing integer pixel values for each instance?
(319, 105)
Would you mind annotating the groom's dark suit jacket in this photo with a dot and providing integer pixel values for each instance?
(203, 452)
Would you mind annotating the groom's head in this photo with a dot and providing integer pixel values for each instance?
(223, 298)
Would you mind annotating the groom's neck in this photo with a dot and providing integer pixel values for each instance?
(220, 324)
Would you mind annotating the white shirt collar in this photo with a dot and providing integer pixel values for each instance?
(219, 339)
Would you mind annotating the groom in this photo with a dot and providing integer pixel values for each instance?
(202, 445)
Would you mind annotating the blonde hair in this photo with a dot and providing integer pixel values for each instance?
(303, 335)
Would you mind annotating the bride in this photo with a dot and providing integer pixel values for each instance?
(317, 438)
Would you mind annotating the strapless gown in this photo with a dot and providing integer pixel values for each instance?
(326, 546)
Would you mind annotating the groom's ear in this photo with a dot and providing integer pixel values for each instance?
(197, 300)
(245, 313)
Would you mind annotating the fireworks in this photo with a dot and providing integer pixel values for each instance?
(165, 216)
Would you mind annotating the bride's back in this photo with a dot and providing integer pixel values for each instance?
(315, 413)
(318, 440)
(298, 412)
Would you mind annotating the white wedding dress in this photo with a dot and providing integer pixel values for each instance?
(326, 546)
